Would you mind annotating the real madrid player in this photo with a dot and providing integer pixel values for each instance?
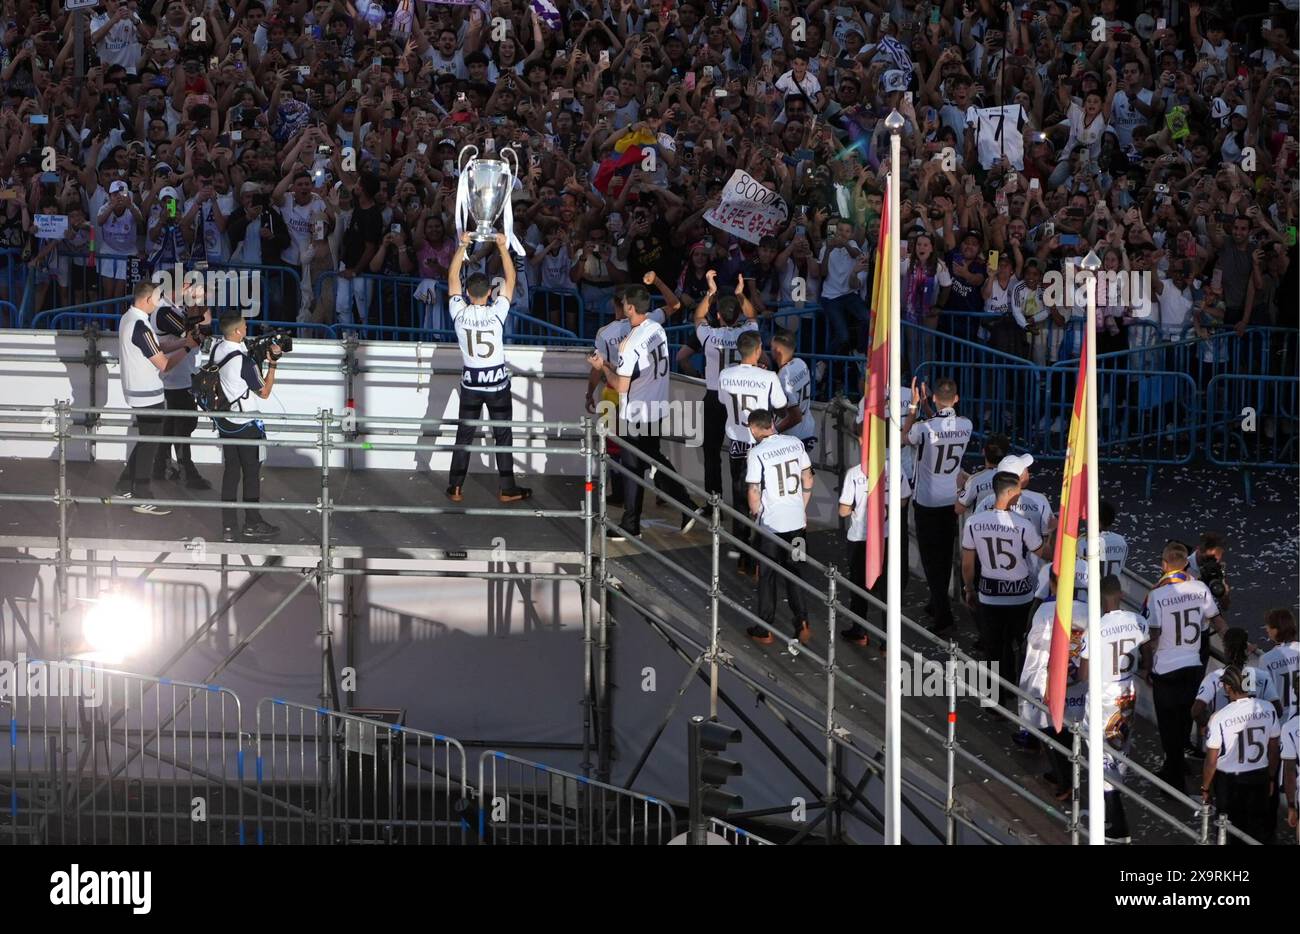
(742, 389)
(1001, 544)
(1179, 610)
(779, 480)
(641, 379)
(1242, 756)
(1123, 633)
(735, 315)
(797, 383)
(479, 320)
(1033, 682)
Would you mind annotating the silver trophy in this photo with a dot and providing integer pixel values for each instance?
(487, 184)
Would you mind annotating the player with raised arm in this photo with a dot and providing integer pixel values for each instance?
(735, 315)
(479, 320)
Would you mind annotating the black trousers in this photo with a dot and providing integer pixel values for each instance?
(1003, 628)
(1059, 762)
(1173, 694)
(240, 464)
(176, 426)
(740, 498)
(1244, 797)
(715, 429)
(857, 558)
(633, 492)
(768, 578)
(500, 408)
(936, 533)
(139, 462)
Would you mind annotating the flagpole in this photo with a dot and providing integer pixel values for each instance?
(1096, 729)
(894, 467)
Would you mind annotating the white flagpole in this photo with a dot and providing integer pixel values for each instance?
(1096, 729)
(893, 470)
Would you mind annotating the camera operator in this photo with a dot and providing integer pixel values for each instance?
(1206, 565)
(242, 384)
(180, 327)
(143, 363)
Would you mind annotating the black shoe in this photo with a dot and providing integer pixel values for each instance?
(939, 625)
(228, 534)
(260, 530)
(514, 494)
(195, 481)
(760, 635)
(856, 635)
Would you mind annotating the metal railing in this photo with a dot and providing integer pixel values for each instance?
(525, 802)
(114, 757)
(830, 588)
(736, 836)
(325, 777)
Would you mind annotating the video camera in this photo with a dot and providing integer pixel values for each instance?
(1212, 575)
(259, 348)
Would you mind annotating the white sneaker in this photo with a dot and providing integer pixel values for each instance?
(148, 509)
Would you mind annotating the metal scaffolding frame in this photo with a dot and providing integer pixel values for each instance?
(602, 600)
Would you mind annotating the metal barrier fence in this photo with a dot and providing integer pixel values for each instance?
(523, 802)
(102, 756)
(1252, 422)
(325, 777)
(736, 836)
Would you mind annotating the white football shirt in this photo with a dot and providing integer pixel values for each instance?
(1282, 666)
(720, 347)
(1002, 542)
(480, 331)
(777, 464)
(1177, 614)
(1241, 733)
(644, 358)
(941, 444)
(1031, 506)
(854, 493)
(745, 388)
(797, 385)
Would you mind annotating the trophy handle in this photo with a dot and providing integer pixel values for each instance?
(461, 161)
(513, 159)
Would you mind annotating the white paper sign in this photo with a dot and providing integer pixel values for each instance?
(749, 209)
(51, 226)
(78, 4)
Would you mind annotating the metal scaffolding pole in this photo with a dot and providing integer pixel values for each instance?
(63, 424)
(588, 453)
(602, 581)
(832, 792)
(328, 699)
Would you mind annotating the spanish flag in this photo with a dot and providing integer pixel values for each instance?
(878, 376)
(1074, 503)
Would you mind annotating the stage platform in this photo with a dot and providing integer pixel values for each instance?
(458, 534)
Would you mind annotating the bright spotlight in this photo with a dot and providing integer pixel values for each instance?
(116, 626)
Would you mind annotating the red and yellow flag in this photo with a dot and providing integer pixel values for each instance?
(1074, 505)
(874, 414)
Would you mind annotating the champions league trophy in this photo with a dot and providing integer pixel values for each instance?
(483, 193)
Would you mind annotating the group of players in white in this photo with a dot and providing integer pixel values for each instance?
(758, 411)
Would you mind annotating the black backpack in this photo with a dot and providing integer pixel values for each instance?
(205, 385)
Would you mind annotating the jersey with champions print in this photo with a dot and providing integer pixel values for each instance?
(480, 331)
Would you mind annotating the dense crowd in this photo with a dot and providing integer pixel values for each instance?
(324, 137)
